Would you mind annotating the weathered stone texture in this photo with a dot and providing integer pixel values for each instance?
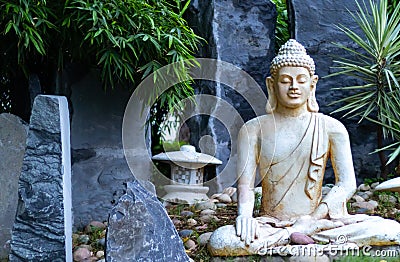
(140, 229)
(13, 133)
(42, 228)
(99, 168)
(314, 26)
(241, 33)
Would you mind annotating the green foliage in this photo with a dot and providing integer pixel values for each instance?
(126, 40)
(376, 63)
(257, 203)
(282, 33)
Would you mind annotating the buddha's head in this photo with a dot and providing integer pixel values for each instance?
(293, 80)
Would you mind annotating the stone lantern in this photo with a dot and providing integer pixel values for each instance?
(187, 173)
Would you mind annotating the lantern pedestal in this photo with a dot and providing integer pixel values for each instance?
(185, 194)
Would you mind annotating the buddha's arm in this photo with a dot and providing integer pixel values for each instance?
(343, 168)
(248, 148)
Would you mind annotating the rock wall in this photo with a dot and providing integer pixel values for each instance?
(99, 168)
(313, 25)
(241, 33)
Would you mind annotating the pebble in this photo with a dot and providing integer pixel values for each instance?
(81, 254)
(363, 187)
(373, 185)
(215, 196)
(358, 198)
(185, 233)
(224, 198)
(369, 206)
(363, 195)
(205, 205)
(176, 222)
(301, 239)
(221, 205)
(94, 225)
(100, 254)
(207, 212)
(83, 239)
(229, 191)
(187, 213)
(190, 244)
(388, 198)
(101, 242)
(191, 222)
(209, 218)
(204, 238)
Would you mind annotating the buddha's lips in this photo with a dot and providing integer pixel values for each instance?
(294, 95)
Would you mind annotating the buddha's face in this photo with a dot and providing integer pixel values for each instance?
(293, 86)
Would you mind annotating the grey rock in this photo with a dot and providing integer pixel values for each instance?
(318, 35)
(207, 212)
(388, 198)
(101, 242)
(187, 213)
(221, 205)
(44, 214)
(191, 222)
(83, 239)
(139, 229)
(241, 33)
(373, 185)
(363, 187)
(204, 238)
(13, 131)
(205, 205)
(100, 170)
(185, 233)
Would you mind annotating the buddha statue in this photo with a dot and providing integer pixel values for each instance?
(290, 146)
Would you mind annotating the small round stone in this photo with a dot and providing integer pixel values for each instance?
(205, 205)
(364, 187)
(191, 222)
(207, 212)
(186, 213)
(221, 205)
(204, 238)
(83, 239)
(209, 218)
(190, 244)
(82, 254)
(185, 233)
(100, 254)
(224, 198)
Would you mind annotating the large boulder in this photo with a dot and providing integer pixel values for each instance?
(13, 133)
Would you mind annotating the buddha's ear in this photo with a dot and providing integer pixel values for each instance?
(271, 104)
(312, 104)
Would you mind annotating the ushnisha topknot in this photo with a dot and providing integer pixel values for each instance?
(292, 53)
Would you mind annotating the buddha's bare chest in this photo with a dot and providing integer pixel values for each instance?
(280, 142)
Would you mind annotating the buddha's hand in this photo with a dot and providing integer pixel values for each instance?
(247, 228)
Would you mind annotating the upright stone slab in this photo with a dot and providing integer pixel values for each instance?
(43, 226)
(13, 133)
(139, 229)
(314, 26)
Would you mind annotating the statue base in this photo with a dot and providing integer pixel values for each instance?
(185, 194)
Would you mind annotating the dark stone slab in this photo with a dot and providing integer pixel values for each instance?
(313, 25)
(139, 229)
(13, 132)
(43, 226)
